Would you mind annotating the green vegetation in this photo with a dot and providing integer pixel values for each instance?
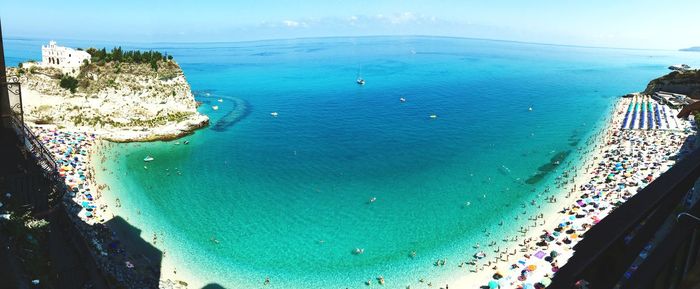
(102, 56)
(156, 121)
(69, 82)
(27, 235)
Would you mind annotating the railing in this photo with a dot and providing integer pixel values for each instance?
(38, 150)
(648, 242)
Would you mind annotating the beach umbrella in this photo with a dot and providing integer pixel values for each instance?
(531, 267)
(493, 284)
(546, 281)
(528, 286)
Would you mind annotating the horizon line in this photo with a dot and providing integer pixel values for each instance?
(12, 37)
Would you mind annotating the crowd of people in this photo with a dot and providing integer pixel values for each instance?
(621, 164)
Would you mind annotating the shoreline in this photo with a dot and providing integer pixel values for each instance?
(171, 275)
(77, 154)
(549, 215)
(552, 216)
(476, 275)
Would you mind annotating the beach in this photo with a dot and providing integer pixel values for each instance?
(115, 246)
(531, 258)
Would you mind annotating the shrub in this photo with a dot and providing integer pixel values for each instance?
(69, 82)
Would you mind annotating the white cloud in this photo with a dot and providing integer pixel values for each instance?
(402, 18)
(291, 23)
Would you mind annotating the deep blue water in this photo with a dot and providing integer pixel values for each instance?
(271, 188)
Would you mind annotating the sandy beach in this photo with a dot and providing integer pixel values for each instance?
(534, 254)
(76, 153)
(529, 257)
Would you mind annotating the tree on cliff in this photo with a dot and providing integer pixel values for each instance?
(69, 82)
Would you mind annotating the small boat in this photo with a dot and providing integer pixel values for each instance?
(433, 116)
(186, 142)
(372, 200)
(402, 99)
(480, 255)
(148, 159)
(360, 81)
(215, 107)
(220, 100)
(530, 109)
(274, 114)
(358, 251)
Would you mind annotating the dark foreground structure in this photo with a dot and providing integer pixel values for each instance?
(651, 241)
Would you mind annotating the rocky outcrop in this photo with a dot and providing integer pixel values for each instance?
(123, 102)
(686, 82)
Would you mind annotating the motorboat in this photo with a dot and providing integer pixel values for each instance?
(402, 99)
(220, 100)
(358, 251)
(433, 116)
(360, 81)
(148, 159)
(274, 114)
(215, 107)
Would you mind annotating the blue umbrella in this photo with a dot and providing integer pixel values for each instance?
(493, 284)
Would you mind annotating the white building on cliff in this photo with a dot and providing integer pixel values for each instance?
(67, 59)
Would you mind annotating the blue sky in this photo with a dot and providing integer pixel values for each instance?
(622, 23)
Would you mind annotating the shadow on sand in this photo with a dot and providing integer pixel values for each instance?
(127, 245)
(146, 258)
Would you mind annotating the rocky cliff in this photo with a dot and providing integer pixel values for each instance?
(122, 101)
(687, 82)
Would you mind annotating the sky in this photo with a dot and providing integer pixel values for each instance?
(621, 23)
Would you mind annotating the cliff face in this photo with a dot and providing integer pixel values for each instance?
(123, 101)
(687, 83)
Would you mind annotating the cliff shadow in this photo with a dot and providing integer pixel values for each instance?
(128, 247)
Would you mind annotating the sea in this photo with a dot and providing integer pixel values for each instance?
(436, 152)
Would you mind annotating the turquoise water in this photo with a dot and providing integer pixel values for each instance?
(287, 197)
